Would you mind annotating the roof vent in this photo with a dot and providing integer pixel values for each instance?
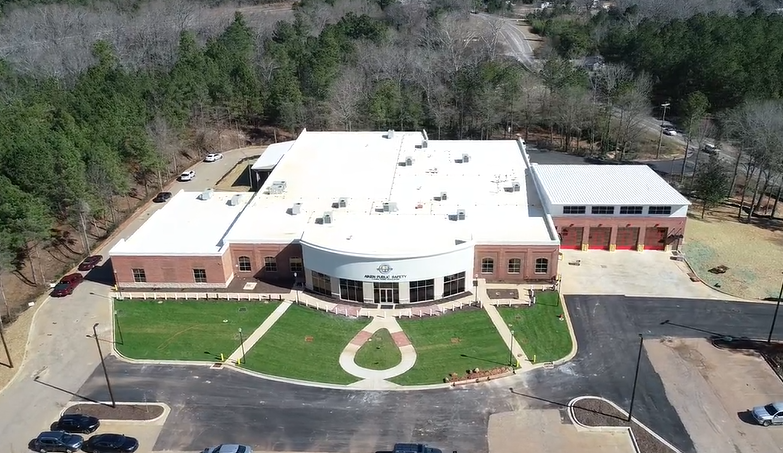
(465, 158)
(444, 196)
(327, 218)
(343, 202)
(296, 209)
(206, 195)
(389, 206)
(408, 161)
(390, 133)
(460, 214)
(515, 187)
(235, 200)
(424, 143)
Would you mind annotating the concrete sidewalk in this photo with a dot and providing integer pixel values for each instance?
(259, 332)
(377, 379)
(508, 339)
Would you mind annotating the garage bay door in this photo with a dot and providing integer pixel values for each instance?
(571, 238)
(599, 238)
(655, 238)
(627, 238)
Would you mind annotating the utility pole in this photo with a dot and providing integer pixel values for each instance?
(103, 364)
(665, 106)
(636, 376)
(5, 345)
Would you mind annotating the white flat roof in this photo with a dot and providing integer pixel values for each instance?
(272, 155)
(614, 185)
(185, 225)
(364, 168)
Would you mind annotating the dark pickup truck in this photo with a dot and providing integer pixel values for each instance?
(412, 448)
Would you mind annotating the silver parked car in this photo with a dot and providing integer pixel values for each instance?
(229, 448)
(771, 414)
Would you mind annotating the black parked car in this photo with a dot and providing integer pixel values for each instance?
(111, 443)
(77, 423)
(59, 441)
(162, 197)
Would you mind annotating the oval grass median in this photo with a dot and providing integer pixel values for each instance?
(379, 352)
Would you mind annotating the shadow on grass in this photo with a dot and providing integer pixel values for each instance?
(37, 380)
(465, 356)
(559, 404)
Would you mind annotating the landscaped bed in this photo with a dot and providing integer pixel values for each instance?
(452, 344)
(305, 344)
(379, 352)
(184, 330)
(541, 329)
(104, 411)
(594, 412)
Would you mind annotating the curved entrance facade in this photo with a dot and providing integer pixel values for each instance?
(389, 279)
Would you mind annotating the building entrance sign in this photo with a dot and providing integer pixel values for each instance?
(385, 278)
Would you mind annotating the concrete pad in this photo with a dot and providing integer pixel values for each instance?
(630, 273)
(543, 430)
(712, 389)
(146, 433)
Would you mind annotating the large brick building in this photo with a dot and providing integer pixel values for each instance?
(393, 217)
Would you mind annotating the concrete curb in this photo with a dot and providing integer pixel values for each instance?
(163, 416)
(615, 428)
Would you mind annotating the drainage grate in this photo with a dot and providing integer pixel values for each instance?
(216, 366)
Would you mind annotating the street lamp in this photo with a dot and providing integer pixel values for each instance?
(660, 133)
(242, 344)
(103, 363)
(775, 316)
(636, 376)
(475, 289)
(511, 347)
(296, 287)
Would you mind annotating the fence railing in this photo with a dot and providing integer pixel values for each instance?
(198, 296)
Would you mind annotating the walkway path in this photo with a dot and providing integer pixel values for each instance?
(508, 339)
(259, 332)
(377, 379)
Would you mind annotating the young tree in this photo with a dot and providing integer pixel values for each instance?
(694, 109)
(711, 184)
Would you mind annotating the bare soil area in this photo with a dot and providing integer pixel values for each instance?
(712, 391)
(753, 253)
(139, 412)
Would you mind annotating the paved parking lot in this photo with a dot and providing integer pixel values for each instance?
(712, 389)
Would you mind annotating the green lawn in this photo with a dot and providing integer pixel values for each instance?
(452, 343)
(305, 344)
(538, 329)
(379, 353)
(184, 330)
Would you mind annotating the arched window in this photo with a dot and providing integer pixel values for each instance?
(514, 265)
(270, 264)
(244, 264)
(487, 266)
(542, 266)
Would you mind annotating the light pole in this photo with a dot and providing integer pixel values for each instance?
(636, 376)
(242, 344)
(103, 363)
(475, 289)
(665, 106)
(511, 347)
(774, 317)
(5, 345)
(296, 287)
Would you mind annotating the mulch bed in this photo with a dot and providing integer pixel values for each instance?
(138, 412)
(595, 413)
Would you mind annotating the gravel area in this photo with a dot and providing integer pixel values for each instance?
(16, 337)
(139, 412)
(595, 412)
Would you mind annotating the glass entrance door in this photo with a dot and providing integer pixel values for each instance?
(386, 293)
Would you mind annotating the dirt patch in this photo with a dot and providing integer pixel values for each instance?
(138, 412)
(752, 252)
(596, 413)
(772, 352)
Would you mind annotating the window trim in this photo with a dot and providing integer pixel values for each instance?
(517, 263)
(244, 264)
(197, 278)
(667, 210)
(270, 264)
(139, 275)
(488, 263)
(602, 210)
(541, 262)
(567, 210)
(640, 210)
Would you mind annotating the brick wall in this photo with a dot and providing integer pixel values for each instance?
(171, 271)
(280, 253)
(502, 254)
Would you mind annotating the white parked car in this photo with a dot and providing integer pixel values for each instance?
(213, 157)
(187, 176)
(229, 448)
(670, 132)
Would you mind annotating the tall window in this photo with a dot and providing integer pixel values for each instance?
(322, 284)
(200, 275)
(270, 264)
(573, 209)
(659, 210)
(602, 209)
(139, 276)
(295, 264)
(487, 266)
(351, 290)
(636, 210)
(542, 266)
(244, 264)
(422, 290)
(514, 265)
(453, 284)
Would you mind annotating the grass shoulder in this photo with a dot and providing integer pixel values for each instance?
(541, 329)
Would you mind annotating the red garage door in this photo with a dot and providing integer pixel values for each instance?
(627, 238)
(655, 238)
(599, 238)
(571, 238)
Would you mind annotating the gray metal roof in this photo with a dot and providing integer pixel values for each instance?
(272, 155)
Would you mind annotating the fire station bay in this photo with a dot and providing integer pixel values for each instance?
(394, 217)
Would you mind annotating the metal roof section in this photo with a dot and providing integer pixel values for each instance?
(272, 155)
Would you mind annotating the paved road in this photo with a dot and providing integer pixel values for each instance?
(60, 351)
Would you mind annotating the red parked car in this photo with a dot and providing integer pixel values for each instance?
(90, 262)
(67, 284)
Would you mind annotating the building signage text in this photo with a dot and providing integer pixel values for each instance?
(385, 277)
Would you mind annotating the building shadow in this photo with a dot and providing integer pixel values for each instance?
(37, 380)
(464, 356)
(696, 329)
(562, 405)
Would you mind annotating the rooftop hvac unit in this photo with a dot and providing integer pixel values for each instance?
(408, 161)
(235, 200)
(424, 143)
(278, 187)
(515, 187)
(460, 214)
(327, 218)
(390, 133)
(342, 202)
(465, 158)
(206, 195)
(296, 209)
(444, 196)
(389, 206)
